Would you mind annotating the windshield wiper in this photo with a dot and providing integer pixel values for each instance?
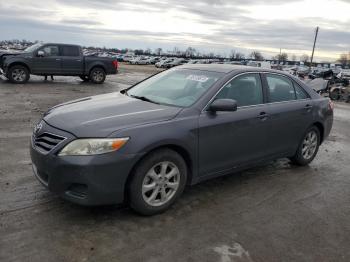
(143, 98)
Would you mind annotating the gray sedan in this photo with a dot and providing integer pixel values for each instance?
(143, 145)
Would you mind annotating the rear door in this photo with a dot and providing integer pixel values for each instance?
(72, 60)
(290, 113)
(48, 64)
(230, 139)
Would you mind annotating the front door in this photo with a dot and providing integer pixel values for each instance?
(230, 139)
(49, 63)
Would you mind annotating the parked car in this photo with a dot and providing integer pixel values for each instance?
(153, 60)
(175, 62)
(161, 63)
(134, 60)
(143, 61)
(56, 59)
(177, 128)
(127, 58)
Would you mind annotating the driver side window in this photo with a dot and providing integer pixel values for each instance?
(245, 89)
(50, 50)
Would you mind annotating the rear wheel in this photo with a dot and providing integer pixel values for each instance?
(158, 180)
(97, 75)
(308, 147)
(18, 74)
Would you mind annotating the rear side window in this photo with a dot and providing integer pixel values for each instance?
(245, 89)
(70, 51)
(280, 88)
(300, 92)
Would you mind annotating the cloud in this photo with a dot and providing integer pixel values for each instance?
(220, 25)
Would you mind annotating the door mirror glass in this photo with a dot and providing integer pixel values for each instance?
(223, 105)
(41, 53)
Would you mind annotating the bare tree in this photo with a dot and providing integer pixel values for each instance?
(190, 51)
(239, 56)
(304, 58)
(158, 51)
(256, 55)
(232, 54)
(344, 59)
(282, 57)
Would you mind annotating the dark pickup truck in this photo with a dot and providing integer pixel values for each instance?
(55, 59)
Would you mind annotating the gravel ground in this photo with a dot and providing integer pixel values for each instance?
(276, 212)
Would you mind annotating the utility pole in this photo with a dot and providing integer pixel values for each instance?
(313, 49)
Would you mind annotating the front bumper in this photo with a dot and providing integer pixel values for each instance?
(85, 180)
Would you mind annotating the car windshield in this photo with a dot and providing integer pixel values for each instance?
(33, 47)
(177, 87)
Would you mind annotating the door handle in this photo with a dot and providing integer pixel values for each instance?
(263, 116)
(79, 60)
(58, 59)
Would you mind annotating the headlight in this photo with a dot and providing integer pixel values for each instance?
(93, 146)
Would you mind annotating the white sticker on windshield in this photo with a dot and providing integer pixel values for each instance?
(198, 78)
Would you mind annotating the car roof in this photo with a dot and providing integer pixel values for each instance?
(227, 68)
(60, 44)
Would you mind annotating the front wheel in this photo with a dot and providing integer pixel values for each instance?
(308, 147)
(158, 180)
(97, 75)
(18, 74)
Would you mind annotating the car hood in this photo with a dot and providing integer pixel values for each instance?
(11, 53)
(99, 116)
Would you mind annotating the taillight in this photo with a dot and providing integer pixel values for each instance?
(330, 104)
(115, 64)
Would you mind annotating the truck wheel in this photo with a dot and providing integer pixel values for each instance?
(85, 78)
(97, 75)
(18, 74)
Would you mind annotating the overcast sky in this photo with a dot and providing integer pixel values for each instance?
(207, 25)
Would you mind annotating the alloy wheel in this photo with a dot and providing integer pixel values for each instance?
(161, 183)
(309, 145)
(19, 75)
(98, 76)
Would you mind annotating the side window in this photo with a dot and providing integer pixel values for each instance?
(70, 51)
(299, 91)
(280, 88)
(245, 89)
(50, 50)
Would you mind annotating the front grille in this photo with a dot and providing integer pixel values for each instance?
(47, 141)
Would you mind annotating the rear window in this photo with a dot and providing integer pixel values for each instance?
(280, 88)
(70, 51)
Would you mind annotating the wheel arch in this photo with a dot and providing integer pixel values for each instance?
(183, 152)
(19, 63)
(320, 127)
(97, 66)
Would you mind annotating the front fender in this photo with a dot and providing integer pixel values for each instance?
(10, 61)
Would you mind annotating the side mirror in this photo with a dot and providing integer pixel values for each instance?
(41, 53)
(223, 105)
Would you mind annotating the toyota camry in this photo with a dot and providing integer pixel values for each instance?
(143, 145)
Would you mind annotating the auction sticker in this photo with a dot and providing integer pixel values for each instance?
(198, 78)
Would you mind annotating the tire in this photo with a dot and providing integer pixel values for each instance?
(149, 192)
(85, 78)
(97, 75)
(18, 74)
(308, 147)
